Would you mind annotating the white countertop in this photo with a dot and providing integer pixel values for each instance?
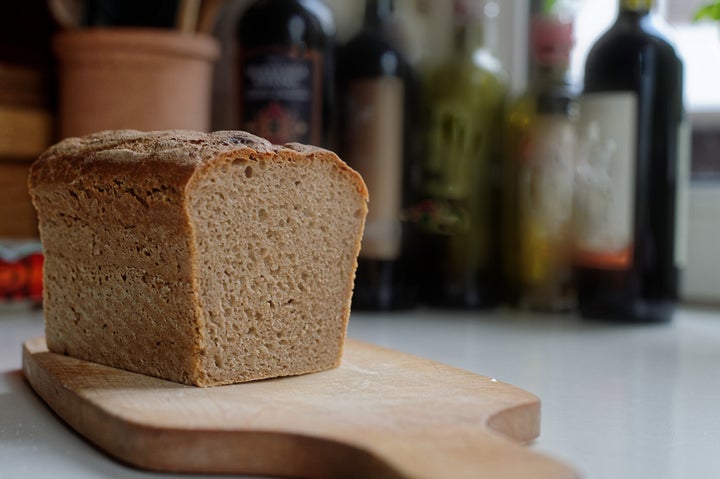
(618, 401)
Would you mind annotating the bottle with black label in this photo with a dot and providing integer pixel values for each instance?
(459, 215)
(376, 90)
(286, 71)
(629, 178)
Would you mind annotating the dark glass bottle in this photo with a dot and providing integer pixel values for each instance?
(286, 64)
(459, 216)
(376, 97)
(626, 209)
(539, 170)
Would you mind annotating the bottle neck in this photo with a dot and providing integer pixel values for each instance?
(544, 77)
(637, 6)
(468, 38)
(468, 31)
(551, 41)
(377, 12)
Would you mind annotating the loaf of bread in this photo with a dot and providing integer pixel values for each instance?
(204, 259)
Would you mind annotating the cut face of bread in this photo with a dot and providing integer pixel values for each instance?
(205, 259)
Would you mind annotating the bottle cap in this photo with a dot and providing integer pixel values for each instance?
(551, 40)
(468, 11)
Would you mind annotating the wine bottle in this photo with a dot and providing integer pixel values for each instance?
(464, 97)
(376, 90)
(539, 172)
(286, 65)
(626, 208)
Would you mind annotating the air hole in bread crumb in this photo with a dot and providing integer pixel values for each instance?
(249, 172)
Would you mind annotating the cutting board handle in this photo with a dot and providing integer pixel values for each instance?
(291, 455)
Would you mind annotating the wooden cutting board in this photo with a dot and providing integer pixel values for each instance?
(381, 414)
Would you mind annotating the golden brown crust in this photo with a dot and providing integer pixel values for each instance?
(175, 153)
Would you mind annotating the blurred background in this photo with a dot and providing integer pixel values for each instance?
(451, 233)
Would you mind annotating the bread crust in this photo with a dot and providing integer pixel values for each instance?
(176, 154)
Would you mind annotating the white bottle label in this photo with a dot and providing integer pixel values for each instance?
(373, 146)
(605, 181)
(546, 177)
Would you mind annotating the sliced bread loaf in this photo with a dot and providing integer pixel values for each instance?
(205, 259)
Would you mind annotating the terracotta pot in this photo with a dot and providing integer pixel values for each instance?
(144, 79)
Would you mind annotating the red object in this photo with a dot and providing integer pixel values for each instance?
(551, 40)
(22, 279)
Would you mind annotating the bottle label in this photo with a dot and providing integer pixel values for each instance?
(280, 96)
(373, 145)
(605, 181)
(682, 201)
(457, 177)
(456, 150)
(546, 178)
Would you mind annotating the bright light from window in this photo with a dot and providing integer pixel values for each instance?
(699, 46)
(593, 19)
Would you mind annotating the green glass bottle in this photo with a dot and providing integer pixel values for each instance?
(463, 97)
(538, 173)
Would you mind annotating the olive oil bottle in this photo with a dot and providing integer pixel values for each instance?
(459, 214)
(539, 173)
